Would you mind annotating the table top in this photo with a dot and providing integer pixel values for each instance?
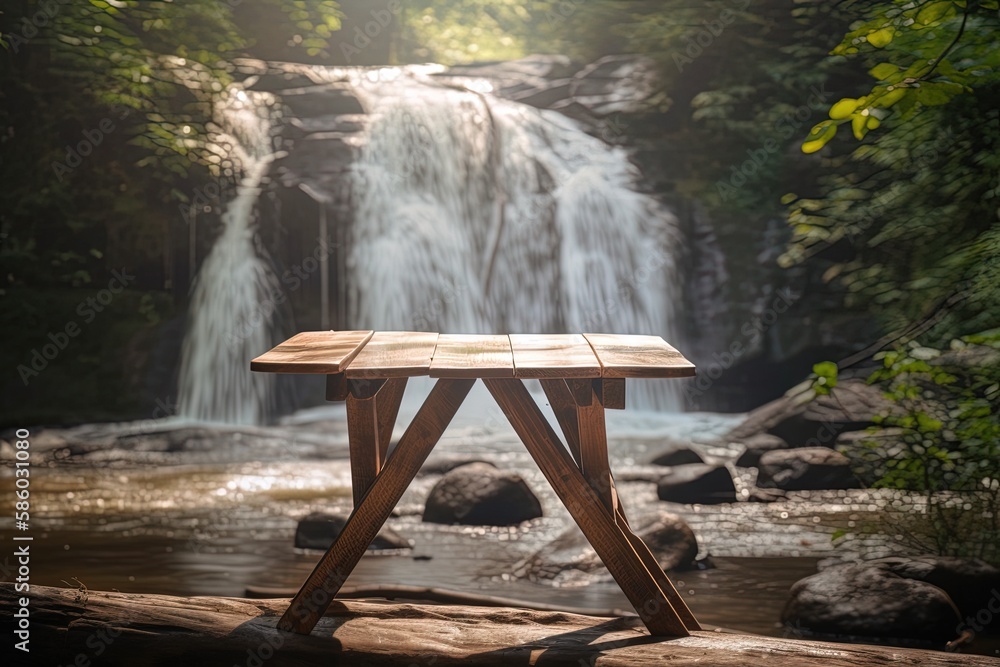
(387, 354)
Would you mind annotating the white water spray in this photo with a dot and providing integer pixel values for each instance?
(232, 311)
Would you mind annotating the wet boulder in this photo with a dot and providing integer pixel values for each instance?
(570, 560)
(480, 494)
(756, 446)
(677, 455)
(697, 483)
(809, 468)
(319, 529)
(870, 601)
(971, 583)
(442, 464)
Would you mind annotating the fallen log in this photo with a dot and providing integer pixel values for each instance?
(435, 595)
(76, 627)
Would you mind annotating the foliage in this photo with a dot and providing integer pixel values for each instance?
(824, 377)
(944, 442)
(459, 32)
(921, 54)
(105, 86)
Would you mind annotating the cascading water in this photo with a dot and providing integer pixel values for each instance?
(476, 214)
(229, 321)
(470, 214)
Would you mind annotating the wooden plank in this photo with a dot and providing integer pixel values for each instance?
(594, 446)
(613, 390)
(394, 354)
(553, 355)
(313, 352)
(630, 356)
(315, 596)
(586, 508)
(471, 356)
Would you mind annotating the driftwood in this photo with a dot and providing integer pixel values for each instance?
(70, 627)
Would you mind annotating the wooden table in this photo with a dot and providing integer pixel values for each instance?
(581, 374)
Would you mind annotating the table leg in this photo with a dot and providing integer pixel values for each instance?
(315, 596)
(594, 440)
(362, 435)
(586, 507)
(562, 401)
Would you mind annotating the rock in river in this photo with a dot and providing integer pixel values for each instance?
(809, 468)
(479, 494)
(677, 455)
(870, 601)
(570, 560)
(705, 484)
(758, 445)
(318, 531)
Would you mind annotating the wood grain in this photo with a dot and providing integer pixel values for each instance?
(394, 354)
(157, 630)
(594, 446)
(315, 596)
(653, 567)
(472, 356)
(586, 508)
(631, 356)
(313, 352)
(614, 393)
(553, 355)
(362, 438)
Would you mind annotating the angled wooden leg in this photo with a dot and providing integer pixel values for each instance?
(362, 435)
(315, 596)
(561, 400)
(586, 508)
(662, 580)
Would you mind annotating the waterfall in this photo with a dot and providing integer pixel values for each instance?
(231, 316)
(476, 214)
(471, 213)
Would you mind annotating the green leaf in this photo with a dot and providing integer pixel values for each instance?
(883, 71)
(935, 11)
(844, 108)
(819, 137)
(880, 38)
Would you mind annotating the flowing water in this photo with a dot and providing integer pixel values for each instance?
(228, 325)
(471, 214)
